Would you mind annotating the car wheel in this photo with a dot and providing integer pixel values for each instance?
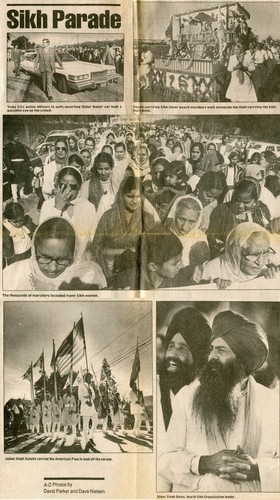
(61, 84)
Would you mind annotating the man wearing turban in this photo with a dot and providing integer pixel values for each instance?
(224, 431)
(187, 342)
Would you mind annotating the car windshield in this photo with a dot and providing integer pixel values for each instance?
(66, 57)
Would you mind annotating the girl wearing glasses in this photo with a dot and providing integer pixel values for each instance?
(68, 204)
(53, 264)
(248, 254)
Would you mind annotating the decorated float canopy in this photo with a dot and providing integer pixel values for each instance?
(195, 21)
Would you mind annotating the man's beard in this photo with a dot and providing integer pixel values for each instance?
(216, 400)
(183, 375)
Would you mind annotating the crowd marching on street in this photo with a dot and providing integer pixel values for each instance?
(194, 208)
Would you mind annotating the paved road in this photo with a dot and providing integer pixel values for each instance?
(119, 442)
(16, 86)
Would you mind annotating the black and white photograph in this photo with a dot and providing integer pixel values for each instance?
(109, 203)
(218, 397)
(206, 52)
(63, 67)
(78, 377)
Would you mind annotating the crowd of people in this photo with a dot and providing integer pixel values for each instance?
(217, 405)
(75, 413)
(148, 207)
(109, 54)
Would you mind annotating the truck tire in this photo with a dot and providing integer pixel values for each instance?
(61, 84)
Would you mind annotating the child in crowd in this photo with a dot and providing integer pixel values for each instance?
(18, 230)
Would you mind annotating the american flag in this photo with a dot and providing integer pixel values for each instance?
(135, 367)
(28, 374)
(71, 350)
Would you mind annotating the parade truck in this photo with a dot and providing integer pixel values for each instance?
(200, 43)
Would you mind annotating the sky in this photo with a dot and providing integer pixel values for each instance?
(155, 16)
(30, 327)
(66, 38)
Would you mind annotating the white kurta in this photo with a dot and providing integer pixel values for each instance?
(185, 440)
(236, 91)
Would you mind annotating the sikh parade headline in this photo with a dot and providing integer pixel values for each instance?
(27, 19)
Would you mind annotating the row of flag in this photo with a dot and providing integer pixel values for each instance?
(72, 349)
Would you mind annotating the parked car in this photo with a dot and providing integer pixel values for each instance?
(35, 161)
(259, 147)
(76, 75)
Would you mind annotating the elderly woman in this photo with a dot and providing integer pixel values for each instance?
(244, 206)
(248, 254)
(120, 227)
(68, 204)
(184, 220)
(52, 265)
(241, 88)
(140, 165)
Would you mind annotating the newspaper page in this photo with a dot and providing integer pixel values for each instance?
(140, 277)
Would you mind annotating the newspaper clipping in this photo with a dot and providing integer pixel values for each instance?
(140, 280)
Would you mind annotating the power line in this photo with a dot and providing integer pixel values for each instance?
(126, 331)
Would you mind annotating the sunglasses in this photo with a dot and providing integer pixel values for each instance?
(73, 187)
(61, 149)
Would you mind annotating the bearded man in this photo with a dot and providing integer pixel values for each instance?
(187, 342)
(224, 431)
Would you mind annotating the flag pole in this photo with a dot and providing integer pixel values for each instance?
(139, 359)
(54, 372)
(94, 374)
(84, 339)
(71, 369)
(44, 375)
(31, 382)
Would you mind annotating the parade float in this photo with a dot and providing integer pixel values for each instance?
(200, 43)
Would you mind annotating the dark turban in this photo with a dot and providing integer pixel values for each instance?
(246, 339)
(195, 330)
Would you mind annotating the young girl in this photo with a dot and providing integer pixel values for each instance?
(18, 230)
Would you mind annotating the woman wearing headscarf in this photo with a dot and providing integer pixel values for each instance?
(140, 165)
(53, 264)
(184, 220)
(51, 169)
(212, 162)
(120, 227)
(247, 255)
(196, 155)
(241, 88)
(102, 182)
(258, 172)
(210, 190)
(244, 206)
(68, 204)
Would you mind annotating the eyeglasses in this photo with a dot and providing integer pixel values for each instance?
(73, 187)
(17, 221)
(42, 259)
(257, 256)
(61, 149)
